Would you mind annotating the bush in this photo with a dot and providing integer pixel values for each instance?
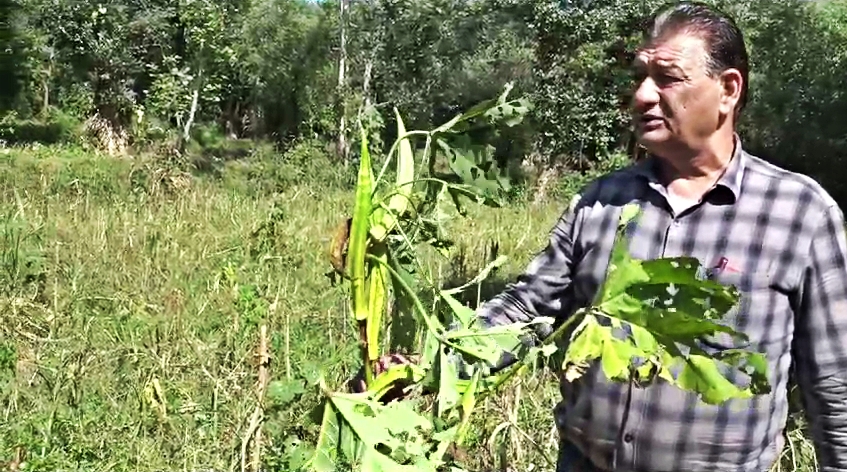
(307, 163)
(798, 58)
(53, 127)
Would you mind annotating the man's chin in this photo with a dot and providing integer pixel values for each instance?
(653, 140)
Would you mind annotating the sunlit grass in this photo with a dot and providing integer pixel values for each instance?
(132, 297)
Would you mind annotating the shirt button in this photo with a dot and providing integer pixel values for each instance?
(628, 437)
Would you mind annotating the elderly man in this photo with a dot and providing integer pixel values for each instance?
(779, 235)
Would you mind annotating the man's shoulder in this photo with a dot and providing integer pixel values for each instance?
(793, 184)
(612, 185)
(599, 194)
(622, 185)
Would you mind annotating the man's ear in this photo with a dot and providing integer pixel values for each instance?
(731, 83)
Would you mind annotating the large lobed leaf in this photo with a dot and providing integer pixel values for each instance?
(664, 310)
(358, 430)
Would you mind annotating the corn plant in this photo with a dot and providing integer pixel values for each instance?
(663, 307)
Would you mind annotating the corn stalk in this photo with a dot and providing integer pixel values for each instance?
(392, 218)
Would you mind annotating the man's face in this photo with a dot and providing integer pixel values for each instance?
(676, 105)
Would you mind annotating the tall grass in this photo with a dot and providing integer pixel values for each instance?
(131, 297)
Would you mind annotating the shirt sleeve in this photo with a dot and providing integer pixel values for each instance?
(820, 342)
(544, 285)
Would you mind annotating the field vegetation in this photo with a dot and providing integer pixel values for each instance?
(172, 175)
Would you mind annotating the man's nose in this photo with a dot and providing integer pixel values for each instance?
(646, 94)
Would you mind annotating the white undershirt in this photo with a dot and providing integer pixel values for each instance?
(679, 204)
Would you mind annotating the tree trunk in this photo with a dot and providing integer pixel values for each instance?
(366, 83)
(45, 100)
(195, 98)
(341, 144)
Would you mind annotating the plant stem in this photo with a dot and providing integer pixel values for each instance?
(391, 151)
(431, 323)
(363, 343)
(555, 335)
(415, 300)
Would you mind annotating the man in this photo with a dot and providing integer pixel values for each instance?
(778, 236)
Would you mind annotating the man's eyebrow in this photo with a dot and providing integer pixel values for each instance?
(669, 65)
(638, 59)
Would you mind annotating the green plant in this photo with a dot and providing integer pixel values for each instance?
(663, 304)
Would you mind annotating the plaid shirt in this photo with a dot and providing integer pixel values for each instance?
(783, 237)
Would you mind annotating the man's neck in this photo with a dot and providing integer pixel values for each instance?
(692, 175)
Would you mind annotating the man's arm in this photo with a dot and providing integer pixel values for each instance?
(820, 342)
(543, 286)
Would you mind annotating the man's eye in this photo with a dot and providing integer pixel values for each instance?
(667, 78)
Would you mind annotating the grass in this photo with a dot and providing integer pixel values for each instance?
(131, 297)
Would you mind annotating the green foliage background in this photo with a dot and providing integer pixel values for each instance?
(268, 70)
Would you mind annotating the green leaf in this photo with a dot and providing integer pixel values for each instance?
(404, 324)
(667, 310)
(586, 345)
(283, 392)
(475, 166)
(494, 111)
(473, 112)
(359, 232)
(329, 439)
(298, 456)
(548, 350)
(469, 397)
(377, 298)
(643, 339)
(444, 438)
(753, 365)
(407, 372)
(380, 437)
(448, 393)
(485, 344)
(465, 315)
(361, 414)
(430, 349)
(617, 356)
(702, 375)
(401, 418)
(375, 461)
(628, 213)
(384, 219)
(622, 270)
(509, 113)
(399, 202)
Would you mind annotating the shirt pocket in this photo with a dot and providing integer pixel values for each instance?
(755, 293)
